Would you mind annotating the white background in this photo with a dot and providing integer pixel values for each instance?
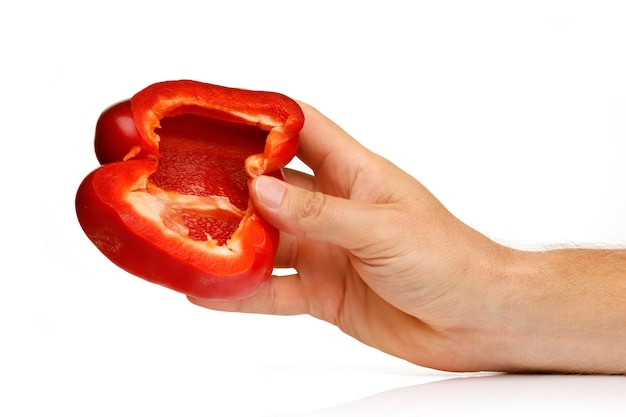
(512, 113)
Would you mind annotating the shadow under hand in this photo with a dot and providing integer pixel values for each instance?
(527, 395)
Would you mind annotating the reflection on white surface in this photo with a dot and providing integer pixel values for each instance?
(522, 395)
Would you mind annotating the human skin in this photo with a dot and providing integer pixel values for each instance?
(376, 254)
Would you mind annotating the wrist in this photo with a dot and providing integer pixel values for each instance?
(561, 311)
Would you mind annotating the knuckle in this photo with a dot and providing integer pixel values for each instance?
(312, 207)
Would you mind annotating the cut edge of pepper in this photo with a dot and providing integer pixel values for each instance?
(156, 205)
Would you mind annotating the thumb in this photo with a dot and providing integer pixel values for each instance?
(314, 215)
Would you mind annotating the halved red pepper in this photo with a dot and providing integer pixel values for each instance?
(170, 202)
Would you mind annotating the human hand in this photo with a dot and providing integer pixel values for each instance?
(376, 254)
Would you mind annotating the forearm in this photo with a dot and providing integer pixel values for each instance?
(565, 311)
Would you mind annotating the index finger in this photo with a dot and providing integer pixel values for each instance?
(323, 142)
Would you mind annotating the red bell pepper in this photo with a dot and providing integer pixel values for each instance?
(170, 201)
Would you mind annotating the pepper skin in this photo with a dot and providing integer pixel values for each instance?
(170, 201)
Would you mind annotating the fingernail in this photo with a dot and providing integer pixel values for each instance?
(269, 191)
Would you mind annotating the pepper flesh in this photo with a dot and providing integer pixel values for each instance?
(170, 204)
